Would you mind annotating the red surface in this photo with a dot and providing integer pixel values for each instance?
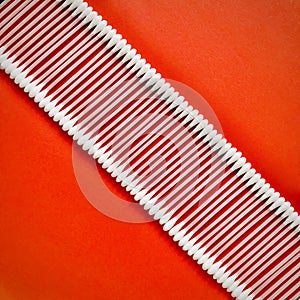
(243, 57)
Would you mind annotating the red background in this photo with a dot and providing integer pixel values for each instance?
(243, 57)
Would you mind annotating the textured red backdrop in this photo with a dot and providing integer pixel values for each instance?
(243, 57)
